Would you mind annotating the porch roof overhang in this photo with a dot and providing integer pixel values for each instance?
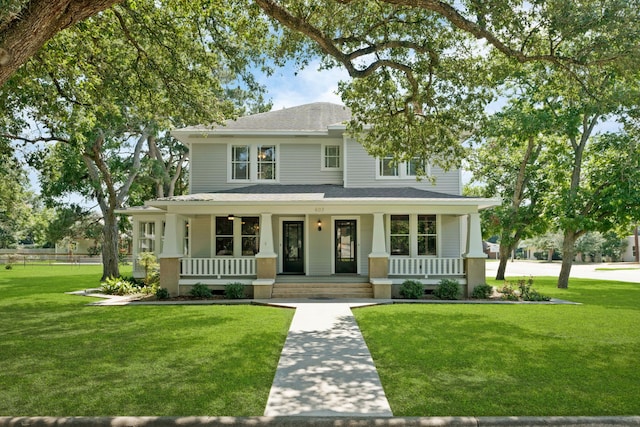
(321, 195)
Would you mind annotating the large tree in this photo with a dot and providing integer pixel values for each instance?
(420, 76)
(597, 192)
(510, 163)
(26, 25)
(102, 91)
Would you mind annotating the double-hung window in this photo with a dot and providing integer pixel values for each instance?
(266, 161)
(239, 236)
(147, 237)
(331, 158)
(253, 163)
(388, 168)
(240, 162)
(413, 235)
(427, 235)
(224, 236)
(400, 235)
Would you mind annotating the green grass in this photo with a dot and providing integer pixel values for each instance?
(62, 357)
(500, 360)
(616, 269)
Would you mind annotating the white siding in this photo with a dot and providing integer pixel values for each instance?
(319, 246)
(361, 172)
(450, 236)
(301, 164)
(201, 237)
(299, 161)
(365, 240)
(208, 168)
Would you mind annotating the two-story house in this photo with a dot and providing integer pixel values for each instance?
(288, 198)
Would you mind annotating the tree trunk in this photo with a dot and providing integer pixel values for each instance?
(505, 252)
(110, 266)
(568, 252)
(35, 24)
(550, 255)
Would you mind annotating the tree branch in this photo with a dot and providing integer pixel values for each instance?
(38, 21)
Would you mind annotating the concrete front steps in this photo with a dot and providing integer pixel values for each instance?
(322, 290)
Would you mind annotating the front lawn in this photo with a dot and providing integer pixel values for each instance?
(62, 358)
(500, 360)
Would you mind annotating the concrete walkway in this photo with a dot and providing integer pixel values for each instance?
(325, 368)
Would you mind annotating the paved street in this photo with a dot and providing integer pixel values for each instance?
(625, 272)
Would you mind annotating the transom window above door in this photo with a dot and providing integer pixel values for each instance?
(253, 162)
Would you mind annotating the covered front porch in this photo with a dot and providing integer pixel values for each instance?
(219, 271)
(261, 240)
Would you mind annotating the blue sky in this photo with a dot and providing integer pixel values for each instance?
(288, 88)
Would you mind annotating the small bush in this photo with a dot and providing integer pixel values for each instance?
(8, 266)
(117, 286)
(162, 293)
(527, 293)
(200, 291)
(509, 293)
(412, 289)
(234, 290)
(447, 289)
(482, 292)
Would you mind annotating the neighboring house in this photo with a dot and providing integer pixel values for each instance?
(629, 254)
(288, 196)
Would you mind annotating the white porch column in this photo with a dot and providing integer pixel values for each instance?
(474, 237)
(170, 255)
(379, 260)
(378, 246)
(172, 247)
(266, 237)
(266, 268)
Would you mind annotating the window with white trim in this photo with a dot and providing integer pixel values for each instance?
(147, 237)
(250, 235)
(253, 162)
(266, 161)
(224, 236)
(388, 168)
(400, 235)
(413, 235)
(240, 164)
(331, 157)
(185, 240)
(427, 235)
(239, 236)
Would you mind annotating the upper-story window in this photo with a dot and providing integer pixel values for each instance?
(266, 162)
(331, 157)
(240, 164)
(253, 162)
(388, 168)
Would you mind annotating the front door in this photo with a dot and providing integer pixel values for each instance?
(346, 246)
(293, 247)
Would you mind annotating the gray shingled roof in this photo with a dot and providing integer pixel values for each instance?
(332, 191)
(309, 117)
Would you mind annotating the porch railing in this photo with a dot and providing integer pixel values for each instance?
(426, 267)
(218, 267)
